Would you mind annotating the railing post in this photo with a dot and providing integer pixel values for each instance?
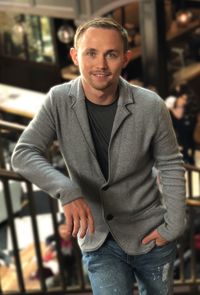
(58, 246)
(8, 202)
(36, 236)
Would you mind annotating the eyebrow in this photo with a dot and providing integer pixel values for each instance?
(108, 51)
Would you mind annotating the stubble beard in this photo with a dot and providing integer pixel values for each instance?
(104, 85)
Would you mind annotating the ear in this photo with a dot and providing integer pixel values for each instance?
(74, 57)
(127, 57)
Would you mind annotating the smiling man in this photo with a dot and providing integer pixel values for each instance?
(112, 136)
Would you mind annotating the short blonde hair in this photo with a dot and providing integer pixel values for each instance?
(105, 23)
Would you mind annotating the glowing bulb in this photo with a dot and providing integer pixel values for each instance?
(18, 29)
(183, 17)
(65, 34)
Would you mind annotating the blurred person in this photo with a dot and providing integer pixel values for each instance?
(194, 45)
(67, 252)
(184, 115)
(112, 135)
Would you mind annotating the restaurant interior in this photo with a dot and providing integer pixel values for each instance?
(35, 39)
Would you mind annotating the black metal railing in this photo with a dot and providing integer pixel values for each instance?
(187, 264)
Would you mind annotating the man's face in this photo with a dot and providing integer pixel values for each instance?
(100, 57)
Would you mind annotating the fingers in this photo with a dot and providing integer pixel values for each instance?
(79, 218)
(84, 227)
(86, 223)
(76, 225)
(154, 236)
(161, 242)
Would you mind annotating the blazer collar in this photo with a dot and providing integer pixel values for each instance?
(125, 92)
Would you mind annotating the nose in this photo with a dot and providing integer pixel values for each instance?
(102, 62)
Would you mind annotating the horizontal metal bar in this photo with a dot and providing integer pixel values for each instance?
(192, 168)
(10, 175)
(11, 126)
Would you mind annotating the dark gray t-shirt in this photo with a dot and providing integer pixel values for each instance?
(101, 119)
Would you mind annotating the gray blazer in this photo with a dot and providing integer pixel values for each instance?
(129, 204)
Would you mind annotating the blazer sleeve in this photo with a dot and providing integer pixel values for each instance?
(29, 158)
(168, 161)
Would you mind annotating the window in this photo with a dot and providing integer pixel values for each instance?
(26, 37)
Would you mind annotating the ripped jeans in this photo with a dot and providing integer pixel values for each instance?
(113, 272)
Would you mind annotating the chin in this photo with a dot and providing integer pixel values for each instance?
(101, 86)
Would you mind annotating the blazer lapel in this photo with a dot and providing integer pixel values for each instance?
(79, 108)
(81, 113)
(125, 98)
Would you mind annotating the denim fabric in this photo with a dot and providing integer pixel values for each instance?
(113, 272)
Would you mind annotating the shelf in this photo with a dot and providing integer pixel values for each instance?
(186, 73)
(176, 31)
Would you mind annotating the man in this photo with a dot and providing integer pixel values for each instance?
(111, 135)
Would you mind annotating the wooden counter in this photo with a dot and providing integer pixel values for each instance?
(19, 101)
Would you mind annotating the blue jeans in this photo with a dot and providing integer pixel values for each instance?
(113, 272)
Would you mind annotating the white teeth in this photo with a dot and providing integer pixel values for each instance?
(99, 75)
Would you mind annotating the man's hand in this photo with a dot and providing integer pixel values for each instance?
(79, 218)
(154, 235)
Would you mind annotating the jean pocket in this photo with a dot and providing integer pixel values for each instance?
(167, 248)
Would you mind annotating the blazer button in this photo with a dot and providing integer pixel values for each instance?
(109, 217)
(105, 188)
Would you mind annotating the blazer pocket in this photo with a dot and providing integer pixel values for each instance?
(150, 212)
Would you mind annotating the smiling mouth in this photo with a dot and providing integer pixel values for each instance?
(101, 74)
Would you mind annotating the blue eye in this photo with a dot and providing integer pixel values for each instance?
(112, 55)
(91, 53)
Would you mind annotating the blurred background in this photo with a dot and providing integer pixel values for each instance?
(35, 39)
